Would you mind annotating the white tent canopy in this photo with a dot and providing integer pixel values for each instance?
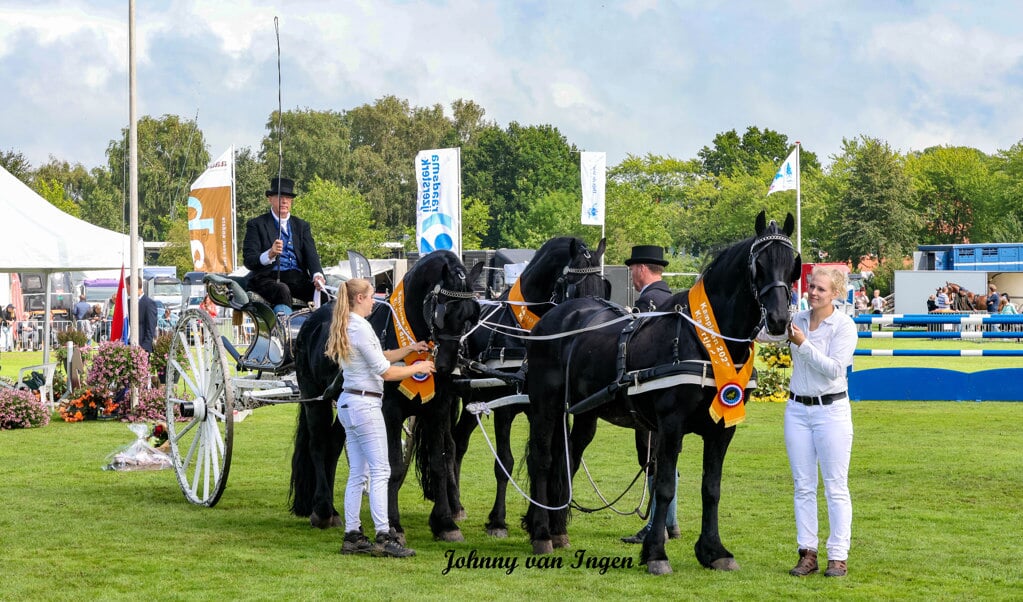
(41, 238)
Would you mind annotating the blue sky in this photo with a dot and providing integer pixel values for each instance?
(629, 77)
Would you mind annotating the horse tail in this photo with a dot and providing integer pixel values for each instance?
(432, 429)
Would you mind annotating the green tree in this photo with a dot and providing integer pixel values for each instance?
(106, 205)
(1006, 213)
(52, 191)
(954, 188)
(340, 219)
(312, 143)
(251, 181)
(17, 165)
(475, 217)
(731, 154)
(633, 217)
(556, 213)
(385, 137)
(876, 210)
(171, 155)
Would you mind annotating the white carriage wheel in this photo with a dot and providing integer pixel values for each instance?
(198, 389)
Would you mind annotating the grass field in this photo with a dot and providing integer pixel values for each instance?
(936, 488)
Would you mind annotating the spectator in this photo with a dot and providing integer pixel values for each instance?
(993, 300)
(8, 322)
(209, 306)
(931, 304)
(1005, 306)
(941, 300)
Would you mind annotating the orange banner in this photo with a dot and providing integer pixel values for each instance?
(211, 217)
(731, 383)
(422, 385)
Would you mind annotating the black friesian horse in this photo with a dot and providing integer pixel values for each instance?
(440, 306)
(747, 287)
(563, 268)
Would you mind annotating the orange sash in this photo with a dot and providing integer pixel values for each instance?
(731, 384)
(422, 385)
(523, 315)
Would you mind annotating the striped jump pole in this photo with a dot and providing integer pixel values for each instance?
(925, 384)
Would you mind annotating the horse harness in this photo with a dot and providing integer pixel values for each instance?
(678, 371)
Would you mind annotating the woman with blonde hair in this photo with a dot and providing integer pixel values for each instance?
(365, 365)
(818, 420)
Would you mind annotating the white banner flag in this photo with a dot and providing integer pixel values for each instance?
(787, 177)
(593, 170)
(439, 203)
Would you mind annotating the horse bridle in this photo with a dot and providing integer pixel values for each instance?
(758, 247)
(568, 288)
(434, 310)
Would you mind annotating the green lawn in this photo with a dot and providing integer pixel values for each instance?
(936, 490)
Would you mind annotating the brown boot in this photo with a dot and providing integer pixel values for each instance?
(807, 563)
(836, 568)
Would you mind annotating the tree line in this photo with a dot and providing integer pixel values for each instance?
(520, 185)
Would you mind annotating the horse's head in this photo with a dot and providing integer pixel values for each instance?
(773, 267)
(582, 276)
(449, 310)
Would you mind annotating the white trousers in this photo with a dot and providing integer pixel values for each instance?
(821, 435)
(366, 445)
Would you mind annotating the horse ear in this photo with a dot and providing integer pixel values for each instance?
(475, 272)
(761, 222)
(601, 247)
(797, 269)
(790, 225)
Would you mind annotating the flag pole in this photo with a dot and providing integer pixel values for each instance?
(799, 223)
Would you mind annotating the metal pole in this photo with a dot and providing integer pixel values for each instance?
(133, 182)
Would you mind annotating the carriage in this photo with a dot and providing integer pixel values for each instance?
(201, 390)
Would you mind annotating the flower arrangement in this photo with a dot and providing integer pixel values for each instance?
(158, 359)
(774, 373)
(117, 367)
(151, 406)
(21, 409)
(87, 404)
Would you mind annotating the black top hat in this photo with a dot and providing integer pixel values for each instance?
(282, 187)
(652, 254)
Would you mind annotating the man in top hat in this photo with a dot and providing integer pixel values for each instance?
(646, 266)
(280, 253)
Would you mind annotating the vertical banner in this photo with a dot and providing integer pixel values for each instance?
(593, 171)
(359, 265)
(439, 201)
(211, 217)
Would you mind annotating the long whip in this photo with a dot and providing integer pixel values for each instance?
(280, 142)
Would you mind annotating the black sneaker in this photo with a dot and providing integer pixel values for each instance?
(638, 537)
(356, 543)
(388, 545)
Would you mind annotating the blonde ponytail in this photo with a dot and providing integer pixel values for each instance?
(339, 348)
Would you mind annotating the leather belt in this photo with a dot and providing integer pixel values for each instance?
(365, 393)
(818, 400)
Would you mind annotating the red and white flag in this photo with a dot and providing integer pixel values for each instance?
(119, 323)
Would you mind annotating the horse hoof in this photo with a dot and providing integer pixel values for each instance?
(658, 567)
(449, 536)
(543, 546)
(319, 523)
(335, 521)
(560, 541)
(725, 564)
(499, 533)
(460, 516)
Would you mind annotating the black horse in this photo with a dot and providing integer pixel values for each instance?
(649, 372)
(563, 268)
(440, 306)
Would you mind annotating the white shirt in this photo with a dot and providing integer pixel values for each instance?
(364, 369)
(877, 303)
(819, 364)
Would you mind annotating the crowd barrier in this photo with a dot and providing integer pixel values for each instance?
(939, 384)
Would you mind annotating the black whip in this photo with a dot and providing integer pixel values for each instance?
(280, 144)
